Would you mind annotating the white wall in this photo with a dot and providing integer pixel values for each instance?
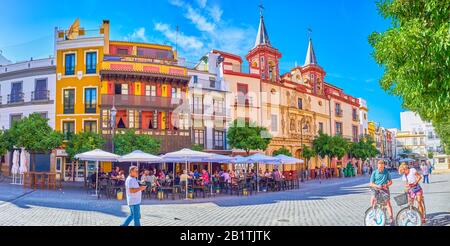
(27, 69)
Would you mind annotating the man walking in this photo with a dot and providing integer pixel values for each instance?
(134, 196)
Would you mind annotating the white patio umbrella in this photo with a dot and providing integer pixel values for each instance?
(15, 167)
(23, 164)
(288, 159)
(261, 158)
(97, 155)
(187, 156)
(139, 157)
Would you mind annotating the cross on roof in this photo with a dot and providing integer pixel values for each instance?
(261, 8)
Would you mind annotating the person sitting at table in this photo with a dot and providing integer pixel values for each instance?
(267, 174)
(93, 179)
(115, 172)
(196, 174)
(184, 177)
(205, 177)
(120, 178)
(226, 176)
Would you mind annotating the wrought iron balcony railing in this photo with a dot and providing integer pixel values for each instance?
(15, 98)
(40, 95)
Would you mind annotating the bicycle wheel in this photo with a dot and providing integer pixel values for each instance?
(375, 217)
(409, 216)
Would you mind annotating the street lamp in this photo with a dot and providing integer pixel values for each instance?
(113, 125)
(303, 127)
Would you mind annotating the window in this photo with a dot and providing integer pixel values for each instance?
(338, 128)
(430, 135)
(91, 62)
(300, 103)
(43, 115)
(68, 129)
(40, 90)
(90, 100)
(274, 123)
(122, 51)
(218, 106)
(69, 101)
(320, 127)
(106, 119)
(355, 133)
(355, 114)
(150, 90)
(365, 116)
(134, 119)
(218, 139)
(14, 118)
(195, 79)
(16, 92)
(198, 105)
(90, 126)
(441, 160)
(70, 64)
(199, 137)
(338, 109)
(212, 82)
(155, 120)
(124, 90)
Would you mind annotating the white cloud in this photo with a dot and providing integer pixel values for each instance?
(137, 35)
(202, 3)
(216, 13)
(212, 31)
(187, 42)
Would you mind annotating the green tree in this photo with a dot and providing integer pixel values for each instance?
(83, 142)
(6, 142)
(321, 145)
(308, 153)
(339, 147)
(130, 141)
(282, 151)
(197, 147)
(35, 135)
(405, 152)
(415, 55)
(430, 155)
(248, 136)
(363, 149)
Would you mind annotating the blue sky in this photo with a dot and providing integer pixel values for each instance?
(340, 31)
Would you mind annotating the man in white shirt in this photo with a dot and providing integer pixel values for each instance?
(134, 196)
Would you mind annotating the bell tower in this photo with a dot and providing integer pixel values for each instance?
(313, 74)
(263, 58)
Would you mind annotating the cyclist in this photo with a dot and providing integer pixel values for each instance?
(412, 179)
(380, 180)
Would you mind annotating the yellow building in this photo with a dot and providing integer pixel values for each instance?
(78, 56)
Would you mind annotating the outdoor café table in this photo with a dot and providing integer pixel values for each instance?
(39, 179)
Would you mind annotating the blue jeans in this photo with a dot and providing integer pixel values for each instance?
(135, 214)
(425, 179)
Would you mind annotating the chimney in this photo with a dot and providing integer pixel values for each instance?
(105, 28)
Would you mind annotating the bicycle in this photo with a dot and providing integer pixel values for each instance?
(376, 215)
(410, 215)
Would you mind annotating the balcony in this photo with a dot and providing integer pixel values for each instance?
(140, 102)
(243, 101)
(339, 113)
(40, 95)
(171, 140)
(15, 98)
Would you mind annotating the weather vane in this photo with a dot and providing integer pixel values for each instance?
(261, 8)
(309, 32)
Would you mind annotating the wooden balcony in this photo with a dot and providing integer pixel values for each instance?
(171, 140)
(140, 102)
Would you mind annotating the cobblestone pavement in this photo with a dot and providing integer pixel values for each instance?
(331, 202)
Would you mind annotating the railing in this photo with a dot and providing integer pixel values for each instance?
(40, 95)
(339, 112)
(141, 101)
(16, 98)
(244, 100)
